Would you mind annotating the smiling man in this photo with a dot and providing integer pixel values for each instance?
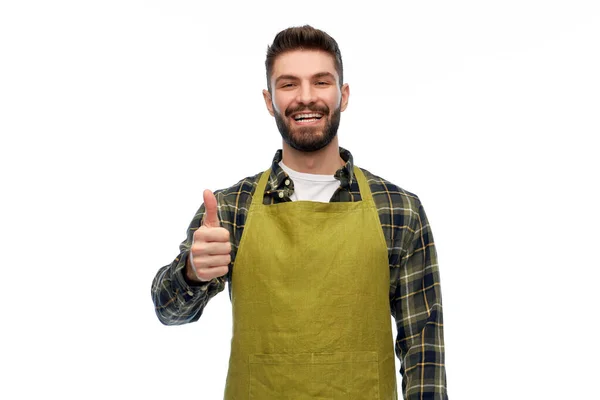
(317, 253)
(312, 101)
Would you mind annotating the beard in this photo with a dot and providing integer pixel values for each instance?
(307, 138)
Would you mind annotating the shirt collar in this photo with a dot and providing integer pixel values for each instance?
(278, 177)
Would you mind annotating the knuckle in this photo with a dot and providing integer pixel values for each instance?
(198, 249)
(198, 233)
(220, 249)
(201, 232)
(224, 233)
(199, 262)
(205, 262)
(202, 275)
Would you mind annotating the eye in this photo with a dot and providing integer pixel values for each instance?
(322, 83)
(287, 85)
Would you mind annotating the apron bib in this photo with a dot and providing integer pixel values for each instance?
(310, 303)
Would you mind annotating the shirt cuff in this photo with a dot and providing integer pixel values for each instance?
(189, 287)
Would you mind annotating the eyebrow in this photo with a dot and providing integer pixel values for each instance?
(295, 78)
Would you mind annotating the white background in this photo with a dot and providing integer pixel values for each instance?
(115, 115)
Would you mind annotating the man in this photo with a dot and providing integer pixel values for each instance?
(317, 253)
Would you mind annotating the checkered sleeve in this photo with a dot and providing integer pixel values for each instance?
(417, 308)
(176, 300)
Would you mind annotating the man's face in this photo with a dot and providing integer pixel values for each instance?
(306, 99)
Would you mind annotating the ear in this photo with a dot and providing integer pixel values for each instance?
(268, 101)
(345, 96)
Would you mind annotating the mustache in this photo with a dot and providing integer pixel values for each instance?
(323, 110)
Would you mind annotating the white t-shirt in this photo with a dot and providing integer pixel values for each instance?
(310, 186)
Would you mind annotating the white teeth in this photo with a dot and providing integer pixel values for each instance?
(313, 115)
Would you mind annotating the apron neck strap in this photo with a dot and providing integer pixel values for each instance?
(363, 185)
(259, 192)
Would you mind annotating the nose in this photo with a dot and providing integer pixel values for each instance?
(306, 93)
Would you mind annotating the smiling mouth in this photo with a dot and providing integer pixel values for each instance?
(307, 118)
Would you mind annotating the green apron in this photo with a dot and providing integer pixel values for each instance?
(310, 303)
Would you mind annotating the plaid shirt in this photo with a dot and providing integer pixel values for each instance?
(415, 295)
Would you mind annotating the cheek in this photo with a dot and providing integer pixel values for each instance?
(333, 99)
(338, 98)
(279, 104)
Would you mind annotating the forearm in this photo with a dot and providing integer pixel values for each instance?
(177, 300)
(178, 297)
(418, 311)
(423, 361)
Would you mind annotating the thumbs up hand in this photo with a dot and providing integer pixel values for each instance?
(210, 252)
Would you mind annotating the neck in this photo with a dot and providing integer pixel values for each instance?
(321, 162)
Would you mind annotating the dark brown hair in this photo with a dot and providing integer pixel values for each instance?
(303, 37)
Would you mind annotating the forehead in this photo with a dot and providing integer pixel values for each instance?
(304, 63)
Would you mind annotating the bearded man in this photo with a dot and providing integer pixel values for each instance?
(317, 254)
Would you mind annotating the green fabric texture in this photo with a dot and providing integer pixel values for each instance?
(312, 319)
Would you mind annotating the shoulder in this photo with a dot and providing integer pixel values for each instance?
(390, 197)
(240, 192)
(234, 202)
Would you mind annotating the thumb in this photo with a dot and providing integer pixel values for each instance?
(211, 219)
